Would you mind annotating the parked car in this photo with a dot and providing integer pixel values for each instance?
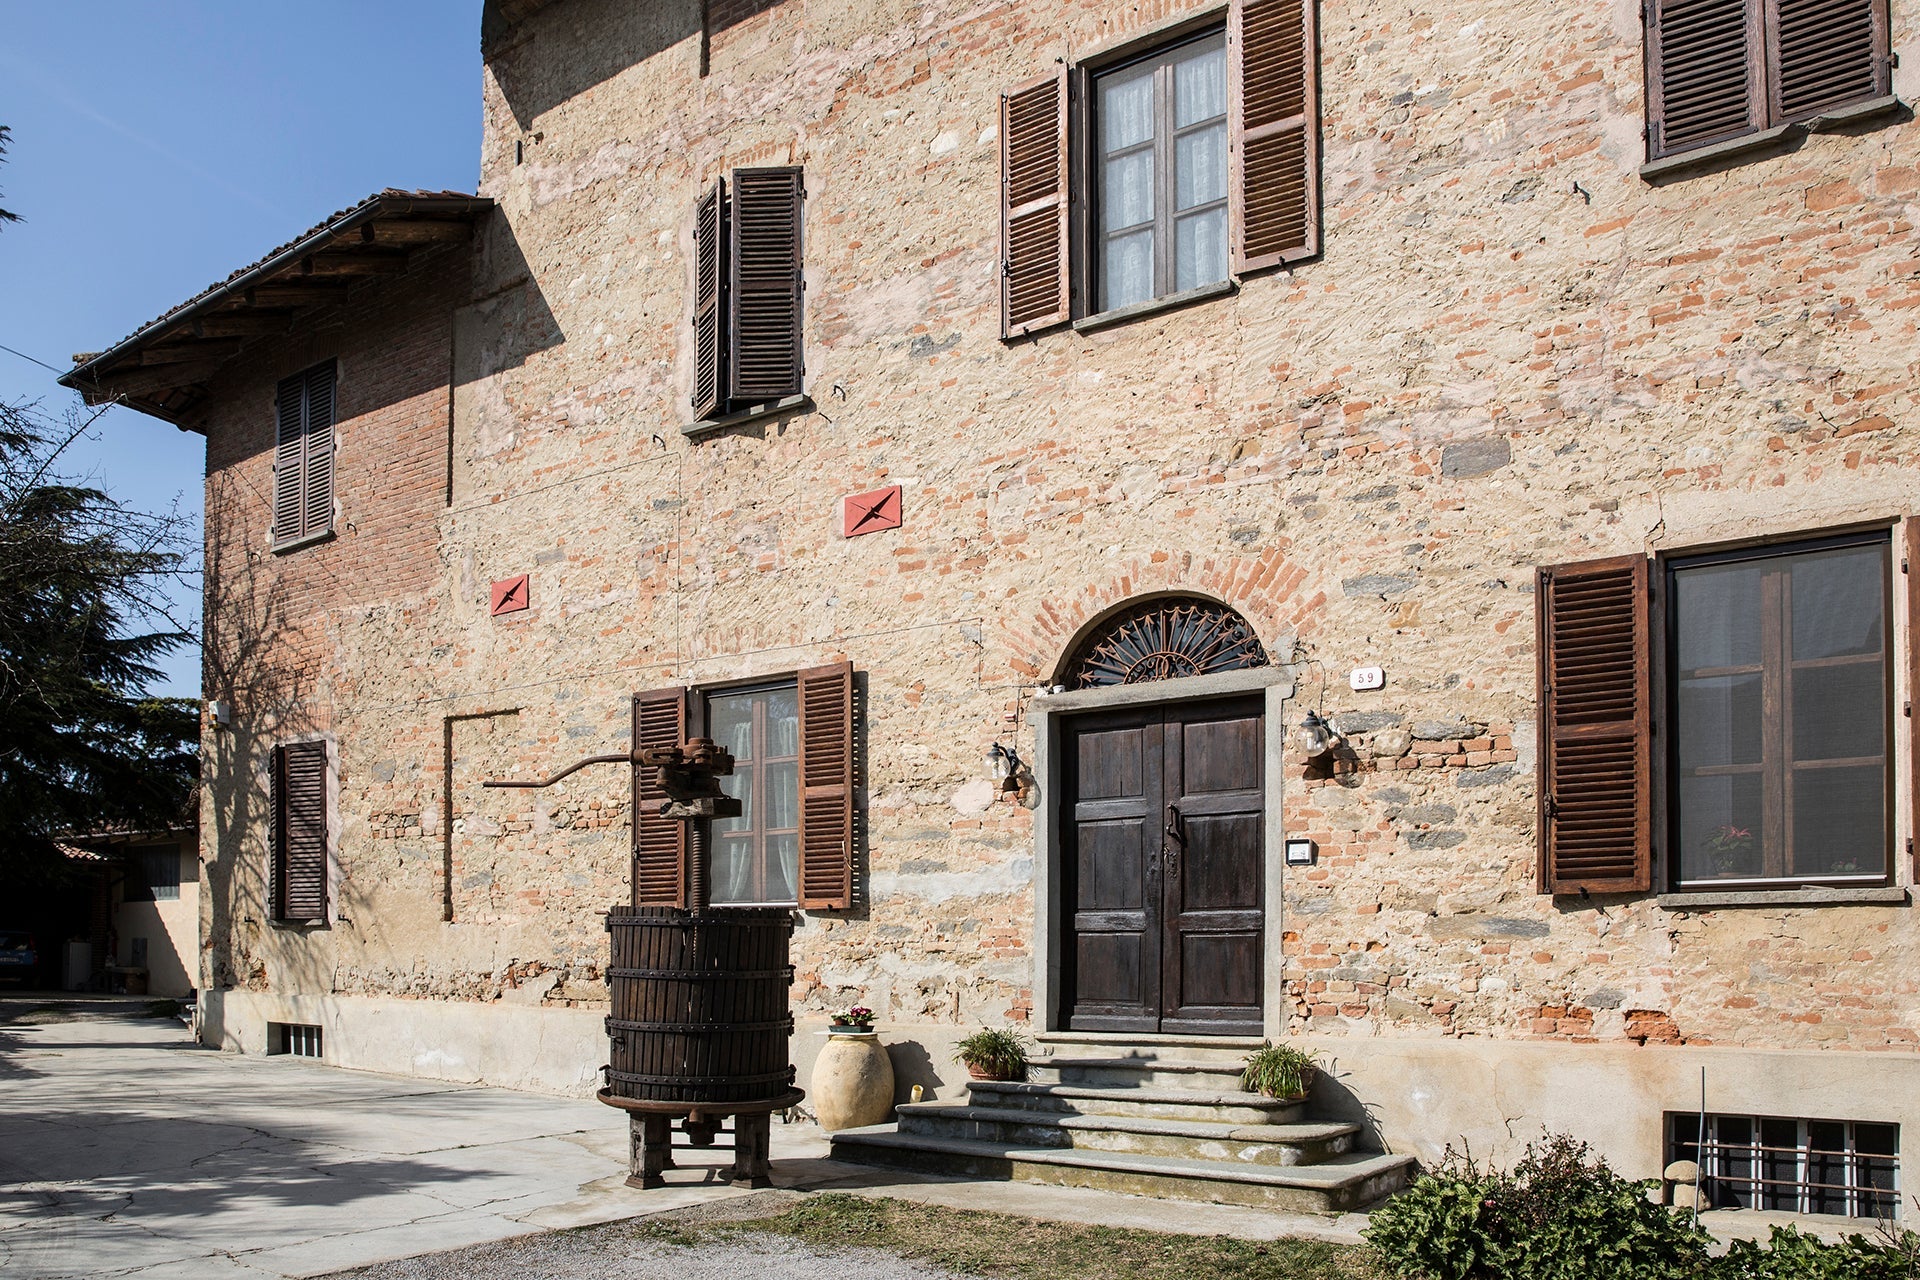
(19, 961)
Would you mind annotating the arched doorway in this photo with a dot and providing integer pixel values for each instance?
(1160, 822)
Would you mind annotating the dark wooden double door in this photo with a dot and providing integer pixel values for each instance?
(1163, 834)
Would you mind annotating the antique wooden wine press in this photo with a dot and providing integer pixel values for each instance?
(699, 1027)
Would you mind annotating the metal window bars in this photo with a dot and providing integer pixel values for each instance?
(1794, 1165)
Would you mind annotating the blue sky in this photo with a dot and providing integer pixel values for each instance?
(156, 148)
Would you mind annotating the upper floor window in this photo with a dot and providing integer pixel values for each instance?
(303, 456)
(1158, 170)
(1162, 186)
(1722, 69)
(748, 291)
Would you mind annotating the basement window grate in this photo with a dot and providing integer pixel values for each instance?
(1846, 1168)
(293, 1038)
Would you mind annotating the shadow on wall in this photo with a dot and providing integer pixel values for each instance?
(546, 52)
(563, 48)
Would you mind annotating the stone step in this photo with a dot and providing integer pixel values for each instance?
(1134, 1071)
(1345, 1182)
(1101, 1044)
(1154, 1101)
(1275, 1145)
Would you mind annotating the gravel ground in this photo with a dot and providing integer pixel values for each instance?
(645, 1249)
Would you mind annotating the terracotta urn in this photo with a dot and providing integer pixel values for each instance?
(852, 1081)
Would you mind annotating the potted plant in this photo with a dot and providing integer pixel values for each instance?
(857, 1021)
(994, 1055)
(1279, 1071)
(1731, 849)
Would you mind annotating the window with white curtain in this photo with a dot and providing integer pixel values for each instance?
(756, 856)
(1160, 126)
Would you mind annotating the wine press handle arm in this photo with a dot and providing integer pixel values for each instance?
(622, 758)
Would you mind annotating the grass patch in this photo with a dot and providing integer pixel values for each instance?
(997, 1245)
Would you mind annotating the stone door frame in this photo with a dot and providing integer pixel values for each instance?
(1048, 713)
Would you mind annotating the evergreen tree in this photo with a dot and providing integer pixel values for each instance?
(83, 747)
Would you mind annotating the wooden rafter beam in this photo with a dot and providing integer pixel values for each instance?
(354, 262)
(282, 293)
(243, 323)
(188, 351)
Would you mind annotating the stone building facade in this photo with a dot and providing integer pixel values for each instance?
(1516, 344)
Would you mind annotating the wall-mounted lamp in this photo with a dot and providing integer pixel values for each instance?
(1315, 737)
(220, 713)
(1004, 763)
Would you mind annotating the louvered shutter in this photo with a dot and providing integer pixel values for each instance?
(289, 460)
(276, 827)
(1826, 53)
(709, 304)
(1704, 72)
(1033, 206)
(300, 888)
(1913, 687)
(766, 361)
(317, 484)
(1596, 735)
(659, 844)
(826, 787)
(1273, 128)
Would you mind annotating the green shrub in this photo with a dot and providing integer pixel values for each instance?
(1441, 1227)
(1562, 1214)
(1792, 1255)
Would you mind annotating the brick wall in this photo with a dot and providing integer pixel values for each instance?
(1513, 352)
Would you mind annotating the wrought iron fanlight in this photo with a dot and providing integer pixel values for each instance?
(1165, 639)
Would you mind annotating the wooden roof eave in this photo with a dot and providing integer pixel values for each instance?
(163, 368)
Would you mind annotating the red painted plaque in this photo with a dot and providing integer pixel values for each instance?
(871, 512)
(511, 595)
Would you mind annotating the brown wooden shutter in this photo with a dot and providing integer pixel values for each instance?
(289, 460)
(1704, 72)
(318, 430)
(1596, 737)
(276, 828)
(1913, 690)
(300, 822)
(826, 787)
(659, 844)
(1826, 53)
(1273, 128)
(709, 310)
(1033, 206)
(767, 361)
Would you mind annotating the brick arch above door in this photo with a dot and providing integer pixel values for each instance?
(1268, 591)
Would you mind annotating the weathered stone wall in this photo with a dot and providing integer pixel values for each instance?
(1514, 352)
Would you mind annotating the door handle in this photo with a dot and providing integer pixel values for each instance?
(1176, 840)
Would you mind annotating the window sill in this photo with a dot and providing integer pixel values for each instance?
(1154, 306)
(299, 926)
(1779, 138)
(299, 544)
(771, 409)
(1879, 895)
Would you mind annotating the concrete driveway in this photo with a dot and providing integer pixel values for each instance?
(128, 1150)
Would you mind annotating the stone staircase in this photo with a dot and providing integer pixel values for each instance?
(1147, 1115)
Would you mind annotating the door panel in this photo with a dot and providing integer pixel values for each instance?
(1213, 909)
(1162, 841)
(1113, 841)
